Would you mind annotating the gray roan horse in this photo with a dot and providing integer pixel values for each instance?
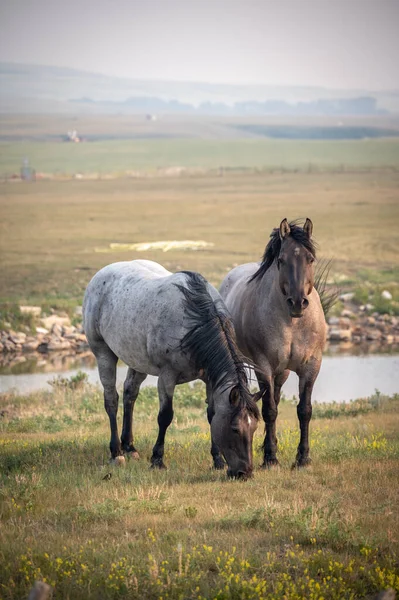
(280, 325)
(175, 326)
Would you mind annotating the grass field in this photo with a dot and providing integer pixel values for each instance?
(327, 532)
(119, 156)
(51, 231)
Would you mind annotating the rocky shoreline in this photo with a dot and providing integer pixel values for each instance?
(354, 326)
(55, 333)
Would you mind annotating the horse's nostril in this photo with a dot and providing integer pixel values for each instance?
(290, 302)
(305, 303)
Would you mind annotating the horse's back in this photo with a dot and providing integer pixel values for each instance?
(137, 309)
(234, 286)
(237, 277)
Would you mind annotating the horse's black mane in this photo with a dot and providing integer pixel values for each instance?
(273, 248)
(212, 342)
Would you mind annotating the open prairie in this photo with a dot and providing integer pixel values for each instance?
(55, 235)
(95, 531)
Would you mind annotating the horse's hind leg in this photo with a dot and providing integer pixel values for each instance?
(166, 387)
(107, 361)
(307, 377)
(131, 390)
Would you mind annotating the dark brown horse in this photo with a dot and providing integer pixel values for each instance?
(280, 325)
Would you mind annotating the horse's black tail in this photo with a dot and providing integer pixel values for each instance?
(328, 296)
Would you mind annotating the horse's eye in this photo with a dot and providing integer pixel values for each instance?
(235, 430)
(311, 260)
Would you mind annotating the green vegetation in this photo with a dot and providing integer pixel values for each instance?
(377, 402)
(120, 156)
(368, 292)
(94, 531)
(52, 231)
(11, 317)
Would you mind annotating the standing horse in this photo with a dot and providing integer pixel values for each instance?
(175, 326)
(280, 325)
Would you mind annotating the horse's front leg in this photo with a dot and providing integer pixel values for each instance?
(166, 387)
(131, 390)
(218, 460)
(307, 378)
(269, 414)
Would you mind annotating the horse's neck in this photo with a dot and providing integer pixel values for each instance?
(269, 292)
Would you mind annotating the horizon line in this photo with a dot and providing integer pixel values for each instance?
(197, 81)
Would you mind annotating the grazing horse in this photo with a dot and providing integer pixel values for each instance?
(280, 325)
(177, 327)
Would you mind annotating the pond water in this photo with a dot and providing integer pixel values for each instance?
(342, 376)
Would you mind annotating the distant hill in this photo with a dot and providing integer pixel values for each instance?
(36, 89)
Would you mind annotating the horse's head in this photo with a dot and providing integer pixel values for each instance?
(295, 265)
(233, 427)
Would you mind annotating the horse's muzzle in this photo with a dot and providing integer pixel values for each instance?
(242, 475)
(297, 307)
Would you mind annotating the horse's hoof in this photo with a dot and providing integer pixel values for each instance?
(219, 465)
(269, 463)
(300, 463)
(118, 461)
(158, 464)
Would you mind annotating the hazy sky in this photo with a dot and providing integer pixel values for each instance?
(332, 43)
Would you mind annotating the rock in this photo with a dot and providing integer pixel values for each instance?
(56, 330)
(347, 313)
(340, 335)
(75, 337)
(68, 330)
(40, 591)
(389, 339)
(346, 297)
(373, 335)
(345, 323)
(18, 338)
(30, 346)
(370, 321)
(48, 322)
(58, 345)
(386, 295)
(9, 346)
(31, 310)
(333, 321)
(79, 311)
(369, 307)
(1, 347)
(42, 330)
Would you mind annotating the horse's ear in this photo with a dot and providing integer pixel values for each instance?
(234, 396)
(308, 228)
(284, 229)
